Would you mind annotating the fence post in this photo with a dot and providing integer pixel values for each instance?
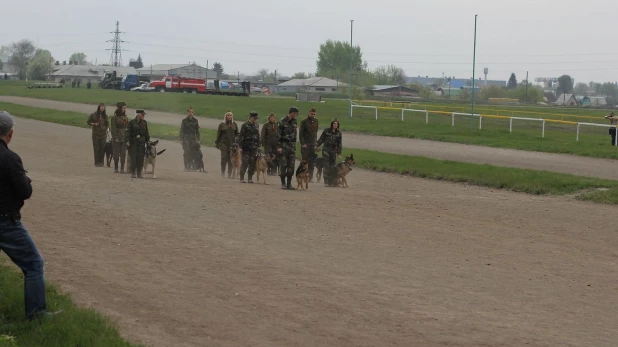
(453, 119)
(402, 114)
(577, 136)
(510, 124)
(543, 133)
(480, 120)
(616, 140)
(376, 113)
(426, 117)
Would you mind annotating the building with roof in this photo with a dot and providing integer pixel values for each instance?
(8, 69)
(313, 84)
(455, 82)
(393, 91)
(595, 101)
(567, 100)
(84, 73)
(158, 71)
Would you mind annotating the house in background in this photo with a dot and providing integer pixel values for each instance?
(8, 69)
(85, 73)
(158, 71)
(566, 100)
(393, 91)
(594, 101)
(455, 82)
(313, 84)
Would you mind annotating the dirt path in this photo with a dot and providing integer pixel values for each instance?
(582, 166)
(192, 259)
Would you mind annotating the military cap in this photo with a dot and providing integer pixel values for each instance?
(253, 114)
(293, 110)
(140, 111)
(120, 104)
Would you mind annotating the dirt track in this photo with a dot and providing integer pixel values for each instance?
(191, 259)
(582, 166)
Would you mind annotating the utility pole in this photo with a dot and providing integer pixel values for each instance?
(527, 87)
(116, 56)
(473, 75)
(275, 81)
(351, 54)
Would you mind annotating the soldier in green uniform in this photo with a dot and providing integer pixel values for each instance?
(137, 136)
(99, 123)
(249, 141)
(226, 135)
(308, 133)
(190, 136)
(269, 141)
(118, 128)
(286, 146)
(332, 140)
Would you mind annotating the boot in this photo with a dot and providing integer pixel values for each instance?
(250, 179)
(222, 173)
(115, 165)
(139, 173)
(283, 182)
(133, 175)
(122, 166)
(242, 178)
(289, 184)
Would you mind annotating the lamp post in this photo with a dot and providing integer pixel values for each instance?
(351, 54)
(473, 75)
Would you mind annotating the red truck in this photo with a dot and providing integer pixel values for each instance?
(179, 84)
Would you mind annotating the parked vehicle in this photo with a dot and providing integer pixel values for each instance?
(217, 87)
(110, 81)
(130, 81)
(179, 84)
(144, 87)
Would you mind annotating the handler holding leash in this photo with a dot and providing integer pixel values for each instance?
(190, 137)
(249, 141)
(137, 136)
(308, 134)
(332, 140)
(15, 241)
(99, 123)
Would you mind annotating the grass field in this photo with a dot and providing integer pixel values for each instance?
(526, 135)
(75, 327)
(519, 180)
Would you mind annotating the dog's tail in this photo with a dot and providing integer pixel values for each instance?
(159, 153)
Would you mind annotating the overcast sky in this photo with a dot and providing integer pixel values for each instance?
(428, 37)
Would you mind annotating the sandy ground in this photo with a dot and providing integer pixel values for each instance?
(582, 166)
(192, 259)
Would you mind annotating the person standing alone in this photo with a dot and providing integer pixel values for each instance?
(308, 133)
(15, 241)
(99, 123)
(613, 120)
(190, 137)
(137, 136)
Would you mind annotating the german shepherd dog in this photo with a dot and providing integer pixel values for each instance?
(343, 169)
(261, 167)
(109, 152)
(302, 175)
(318, 165)
(236, 157)
(197, 159)
(151, 156)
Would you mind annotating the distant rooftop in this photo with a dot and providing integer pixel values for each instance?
(313, 82)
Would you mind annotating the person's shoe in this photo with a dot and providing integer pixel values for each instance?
(115, 167)
(222, 173)
(133, 175)
(250, 179)
(242, 178)
(283, 186)
(45, 315)
(289, 184)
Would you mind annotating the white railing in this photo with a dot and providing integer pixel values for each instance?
(467, 114)
(597, 125)
(420, 111)
(531, 119)
(361, 106)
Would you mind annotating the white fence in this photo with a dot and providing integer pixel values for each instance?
(361, 106)
(466, 114)
(413, 110)
(597, 125)
(531, 119)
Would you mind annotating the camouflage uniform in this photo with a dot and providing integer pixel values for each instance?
(118, 129)
(190, 136)
(332, 147)
(137, 135)
(249, 142)
(308, 133)
(99, 136)
(226, 135)
(269, 141)
(286, 140)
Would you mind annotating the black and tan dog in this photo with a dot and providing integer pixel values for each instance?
(302, 175)
(151, 156)
(197, 160)
(109, 152)
(318, 165)
(236, 158)
(262, 164)
(343, 169)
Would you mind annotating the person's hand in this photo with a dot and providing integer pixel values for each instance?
(217, 146)
(279, 150)
(339, 156)
(304, 146)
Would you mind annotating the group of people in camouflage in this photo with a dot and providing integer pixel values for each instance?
(126, 135)
(278, 139)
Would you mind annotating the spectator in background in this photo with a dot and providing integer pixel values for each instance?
(613, 120)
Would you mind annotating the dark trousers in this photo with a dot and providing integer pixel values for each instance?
(330, 169)
(138, 151)
(309, 155)
(16, 242)
(226, 160)
(287, 162)
(249, 158)
(273, 165)
(98, 144)
(188, 147)
(612, 132)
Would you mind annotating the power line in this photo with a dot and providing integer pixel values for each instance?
(116, 56)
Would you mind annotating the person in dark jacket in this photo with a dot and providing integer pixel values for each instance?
(99, 123)
(269, 141)
(137, 136)
(308, 135)
(15, 241)
(332, 140)
(249, 141)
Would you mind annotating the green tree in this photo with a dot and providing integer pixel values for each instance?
(334, 60)
(565, 84)
(512, 83)
(80, 58)
(41, 65)
(609, 89)
(218, 68)
(581, 89)
(389, 74)
(21, 53)
(302, 75)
